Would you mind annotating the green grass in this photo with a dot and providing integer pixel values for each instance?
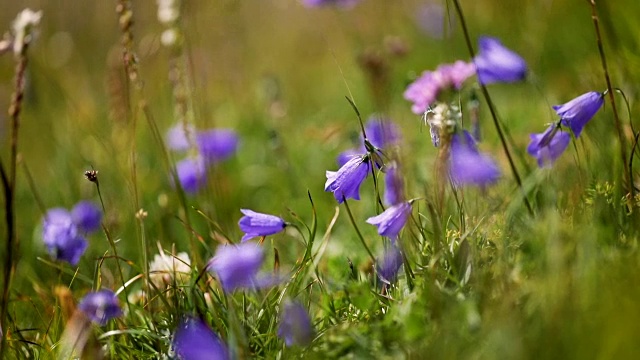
(561, 283)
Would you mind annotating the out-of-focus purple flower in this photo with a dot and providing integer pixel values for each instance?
(87, 216)
(576, 113)
(217, 144)
(60, 236)
(100, 306)
(389, 265)
(394, 185)
(381, 132)
(549, 145)
(425, 90)
(339, 3)
(237, 266)
(467, 166)
(392, 220)
(345, 183)
(258, 224)
(495, 63)
(194, 340)
(178, 139)
(431, 20)
(192, 174)
(295, 325)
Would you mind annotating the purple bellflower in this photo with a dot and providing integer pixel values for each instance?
(192, 174)
(180, 140)
(495, 63)
(295, 325)
(390, 264)
(61, 237)
(339, 3)
(100, 306)
(381, 133)
(392, 220)
(257, 224)
(394, 185)
(424, 90)
(345, 183)
(576, 113)
(87, 216)
(467, 166)
(194, 340)
(217, 144)
(549, 145)
(237, 267)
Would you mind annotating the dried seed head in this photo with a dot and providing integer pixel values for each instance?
(91, 175)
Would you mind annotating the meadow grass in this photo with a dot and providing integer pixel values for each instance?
(545, 266)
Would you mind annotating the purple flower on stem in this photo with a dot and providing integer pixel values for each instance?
(295, 325)
(549, 145)
(258, 224)
(345, 183)
(61, 237)
(87, 216)
(381, 132)
(180, 140)
(576, 113)
(495, 63)
(192, 174)
(339, 3)
(394, 185)
(392, 220)
(467, 166)
(424, 90)
(388, 267)
(237, 267)
(194, 340)
(217, 144)
(100, 306)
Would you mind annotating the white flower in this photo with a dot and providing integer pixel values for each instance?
(165, 269)
(168, 11)
(23, 28)
(169, 37)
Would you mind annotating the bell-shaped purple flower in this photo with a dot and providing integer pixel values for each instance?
(381, 132)
(237, 266)
(394, 185)
(576, 113)
(61, 237)
(345, 183)
(495, 63)
(424, 90)
(100, 306)
(295, 325)
(339, 3)
(192, 174)
(390, 264)
(392, 220)
(87, 216)
(549, 145)
(257, 224)
(467, 166)
(194, 340)
(180, 140)
(217, 144)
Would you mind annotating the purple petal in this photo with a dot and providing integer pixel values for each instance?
(394, 185)
(257, 224)
(237, 265)
(549, 145)
(60, 236)
(390, 264)
(345, 183)
(496, 63)
(192, 174)
(295, 325)
(178, 139)
(194, 340)
(217, 144)
(469, 167)
(425, 89)
(577, 112)
(101, 306)
(87, 216)
(392, 220)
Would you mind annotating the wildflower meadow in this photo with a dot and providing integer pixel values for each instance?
(359, 179)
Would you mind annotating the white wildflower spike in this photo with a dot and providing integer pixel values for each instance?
(24, 29)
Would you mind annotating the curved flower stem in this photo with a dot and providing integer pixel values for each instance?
(492, 109)
(355, 226)
(616, 118)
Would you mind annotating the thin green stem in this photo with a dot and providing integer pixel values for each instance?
(355, 226)
(492, 110)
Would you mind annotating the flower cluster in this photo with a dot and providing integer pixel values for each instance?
(63, 231)
(212, 145)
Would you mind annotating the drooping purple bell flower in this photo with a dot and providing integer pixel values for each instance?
(392, 220)
(424, 90)
(217, 144)
(394, 185)
(549, 145)
(237, 266)
(295, 325)
(495, 63)
(257, 224)
(390, 264)
(576, 113)
(194, 340)
(87, 216)
(192, 174)
(61, 237)
(345, 183)
(100, 306)
(467, 166)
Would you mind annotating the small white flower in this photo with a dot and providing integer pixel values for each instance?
(441, 119)
(23, 28)
(168, 11)
(165, 269)
(169, 37)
